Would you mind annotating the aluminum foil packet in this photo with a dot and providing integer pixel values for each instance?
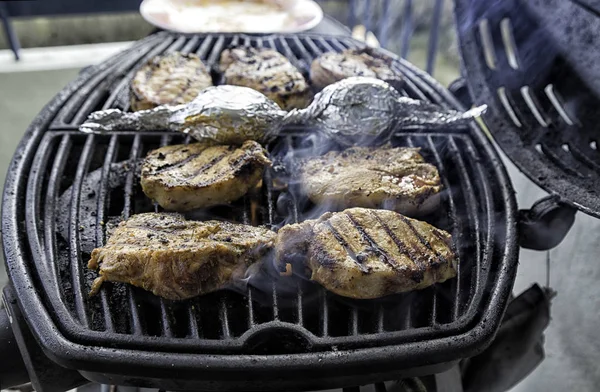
(219, 114)
(356, 110)
(361, 110)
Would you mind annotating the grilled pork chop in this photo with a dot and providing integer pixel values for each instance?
(186, 177)
(365, 253)
(332, 67)
(172, 79)
(392, 178)
(267, 71)
(178, 259)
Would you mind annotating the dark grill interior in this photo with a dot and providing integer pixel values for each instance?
(79, 185)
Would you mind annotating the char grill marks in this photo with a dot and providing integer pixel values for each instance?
(392, 178)
(365, 253)
(186, 177)
(177, 259)
(267, 71)
(332, 67)
(172, 79)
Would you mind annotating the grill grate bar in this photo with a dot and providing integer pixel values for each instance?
(224, 316)
(176, 46)
(58, 168)
(354, 321)
(288, 53)
(32, 212)
(74, 228)
(193, 326)
(268, 181)
(134, 154)
(324, 312)
(453, 213)
(325, 44)
(380, 318)
(216, 50)
(165, 317)
(251, 321)
(300, 306)
(205, 47)
(473, 218)
(313, 47)
(190, 45)
(100, 217)
(275, 301)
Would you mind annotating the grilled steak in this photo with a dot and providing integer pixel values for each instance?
(185, 177)
(332, 67)
(267, 71)
(178, 259)
(365, 253)
(392, 178)
(173, 79)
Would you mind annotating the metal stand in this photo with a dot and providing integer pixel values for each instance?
(13, 40)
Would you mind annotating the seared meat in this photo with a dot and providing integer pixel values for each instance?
(178, 259)
(267, 71)
(392, 178)
(365, 253)
(332, 67)
(185, 177)
(172, 79)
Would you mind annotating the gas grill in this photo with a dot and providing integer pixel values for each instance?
(64, 188)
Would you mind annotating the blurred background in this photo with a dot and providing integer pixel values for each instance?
(56, 44)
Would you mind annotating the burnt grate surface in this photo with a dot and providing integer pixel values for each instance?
(541, 112)
(79, 185)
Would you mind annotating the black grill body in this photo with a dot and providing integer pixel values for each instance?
(64, 188)
(532, 63)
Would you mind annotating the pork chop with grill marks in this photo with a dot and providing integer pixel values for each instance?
(172, 79)
(186, 177)
(365, 253)
(392, 178)
(177, 259)
(332, 67)
(267, 71)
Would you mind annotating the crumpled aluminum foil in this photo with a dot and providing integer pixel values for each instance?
(356, 110)
(361, 110)
(219, 114)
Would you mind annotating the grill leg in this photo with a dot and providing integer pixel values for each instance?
(13, 40)
(45, 375)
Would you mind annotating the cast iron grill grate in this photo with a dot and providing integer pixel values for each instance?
(309, 320)
(542, 113)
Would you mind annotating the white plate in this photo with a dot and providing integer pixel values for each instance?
(235, 16)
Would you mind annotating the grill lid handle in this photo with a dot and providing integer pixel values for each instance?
(545, 224)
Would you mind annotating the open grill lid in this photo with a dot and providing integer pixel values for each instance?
(534, 64)
(268, 339)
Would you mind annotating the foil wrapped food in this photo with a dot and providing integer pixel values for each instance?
(356, 110)
(221, 115)
(361, 110)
